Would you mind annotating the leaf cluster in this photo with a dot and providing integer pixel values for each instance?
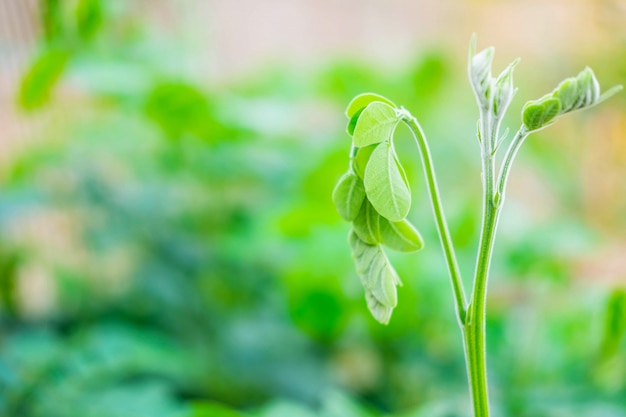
(374, 196)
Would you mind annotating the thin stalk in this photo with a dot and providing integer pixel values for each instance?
(472, 317)
(474, 331)
(507, 162)
(440, 220)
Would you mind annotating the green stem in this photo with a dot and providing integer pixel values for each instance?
(508, 161)
(440, 220)
(474, 331)
(472, 317)
(475, 334)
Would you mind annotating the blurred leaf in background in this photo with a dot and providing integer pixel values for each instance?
(42, 76)
(615, 322)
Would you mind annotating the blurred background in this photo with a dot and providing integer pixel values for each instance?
(169, 248)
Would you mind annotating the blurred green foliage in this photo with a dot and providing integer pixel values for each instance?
(615, 326)
(199, 269)
(42, 76)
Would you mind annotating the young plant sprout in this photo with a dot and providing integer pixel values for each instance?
(374, 194)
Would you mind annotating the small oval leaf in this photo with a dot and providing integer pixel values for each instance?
(539, 113)
(348, 195)
(361, 101)
(385, 186)
(375, 124)
(367, 224)
(401, 236)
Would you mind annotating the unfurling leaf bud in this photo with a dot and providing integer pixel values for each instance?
(578, 92)
(480, 74)
(571, 94)
(504, 90)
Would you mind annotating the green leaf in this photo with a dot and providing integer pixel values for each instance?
(377, 276)
(41, 77)
(361, 101)
(568, 93)
(375, 124)
(588, 89)
(362, 157)
(353, 120)
(384, 184)
(401, 236)
(578, 92)
(367, 224)
(581, 91)
(348, 195)
(539, 113)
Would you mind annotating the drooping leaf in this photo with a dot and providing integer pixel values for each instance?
(361, 101)
(42, 76)
(375, 124)
(367, 224)
(539, 113)
(361, 159)
(348, 195)
(377, 276)
(401, 236)
(385, 185)
(381, 312)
